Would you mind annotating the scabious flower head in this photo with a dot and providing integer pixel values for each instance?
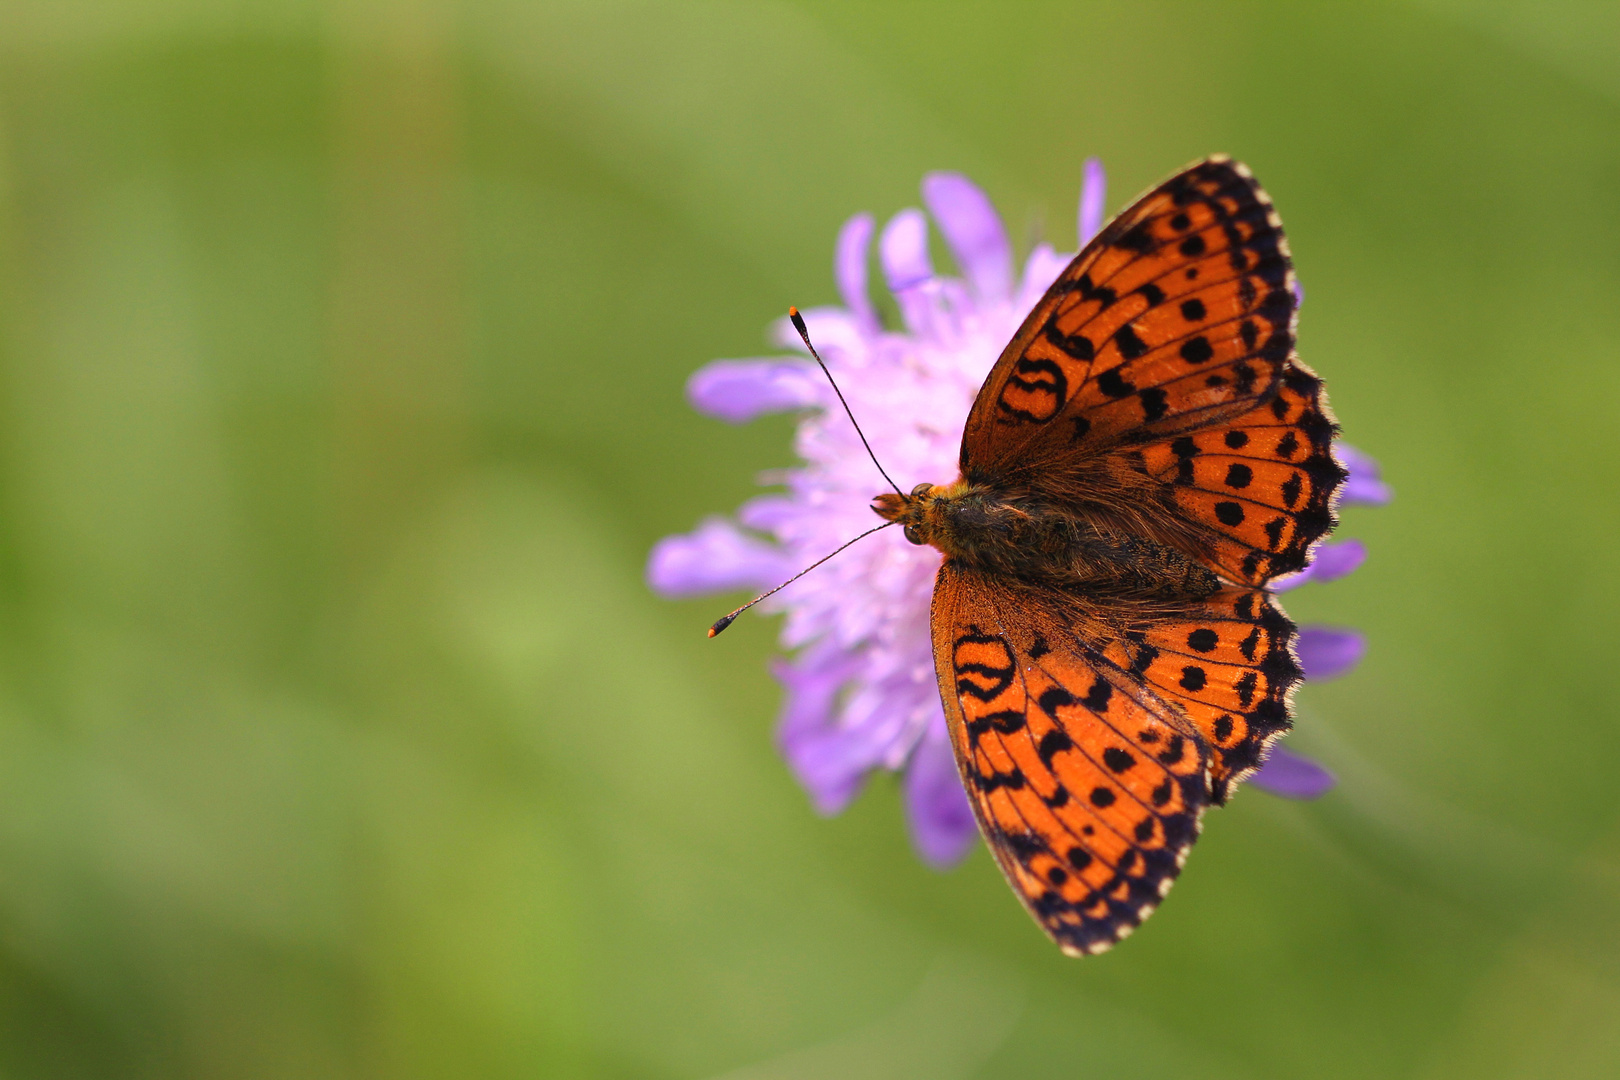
(859, 678)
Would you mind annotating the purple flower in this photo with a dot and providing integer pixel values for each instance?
(1364, 484)
(1330, 561)
(860, 688)
(1327, 653)
(716, 558)
(1288, 774)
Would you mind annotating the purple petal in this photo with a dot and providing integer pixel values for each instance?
(1326, 653)
(973, 230)
(842, 722)
(1093, 187)
(1338, 559)
(1365, 492)
(1329, 562)
(714, 558)
(740, 390)
(826, 761)
(1041, 269)
(1363, 485)
(767, 513)
(903, 250)
(849, 269)
(942, 825)
(812, 680)
(1292, 776)
(829, 769)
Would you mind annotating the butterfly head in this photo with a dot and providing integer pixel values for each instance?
(910, 511)
(920, 514)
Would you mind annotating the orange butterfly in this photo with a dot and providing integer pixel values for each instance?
(1146, 455)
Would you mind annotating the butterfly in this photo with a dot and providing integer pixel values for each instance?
(1145, 456)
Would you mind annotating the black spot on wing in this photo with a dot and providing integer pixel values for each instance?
(1197, 350)
(1138, 238)
(1077, 346)
(1117, 759)
(1290, 491)
(1052, 744)
(990, 781)
(1113, 384)
(1054, 698)
(1129, 344)
(1006, 721)
(1104, 296)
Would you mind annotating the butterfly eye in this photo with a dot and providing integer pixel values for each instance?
(914, 534)
(921, 489)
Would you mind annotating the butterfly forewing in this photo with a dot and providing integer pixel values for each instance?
(1179, 315)
(1087, 784)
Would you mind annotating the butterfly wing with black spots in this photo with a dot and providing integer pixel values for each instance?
(1087, 783)
(1262, 485)
(1227, 664)
(1177, 316)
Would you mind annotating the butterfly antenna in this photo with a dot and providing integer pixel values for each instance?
(726, 620)
(798, 324)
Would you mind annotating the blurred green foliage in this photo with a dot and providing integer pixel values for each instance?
(341, 355)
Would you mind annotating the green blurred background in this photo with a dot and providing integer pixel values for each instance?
(341, 360)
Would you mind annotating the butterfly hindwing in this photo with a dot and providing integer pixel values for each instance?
(1262, 486)
(1087, 785)
(1227, 663)
(1179, 315)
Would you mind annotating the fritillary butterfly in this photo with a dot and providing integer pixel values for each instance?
(1147, 453)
